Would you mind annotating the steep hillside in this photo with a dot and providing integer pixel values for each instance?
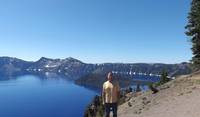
(12, 66)
(177, 98)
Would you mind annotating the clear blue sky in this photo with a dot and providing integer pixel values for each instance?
(96, 31)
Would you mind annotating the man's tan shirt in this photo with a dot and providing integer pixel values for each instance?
(111, 91)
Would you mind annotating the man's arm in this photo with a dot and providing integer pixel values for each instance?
(103, 95)
(118, 92)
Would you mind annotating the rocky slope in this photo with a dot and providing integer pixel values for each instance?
(69, 67)
(177, 98)
(13, 66)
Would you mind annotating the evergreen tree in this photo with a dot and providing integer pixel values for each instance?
(164, 77)
(193, 31)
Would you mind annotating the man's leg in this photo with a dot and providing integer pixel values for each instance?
(114, 109)
(107, 110)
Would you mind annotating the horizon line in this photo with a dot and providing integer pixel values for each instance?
(94, 63)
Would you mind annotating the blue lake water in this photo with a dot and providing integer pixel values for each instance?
(32, 96)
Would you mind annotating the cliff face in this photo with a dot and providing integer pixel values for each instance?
(177, 98)
(13, 66)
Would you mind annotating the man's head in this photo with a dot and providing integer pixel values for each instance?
(110, 76)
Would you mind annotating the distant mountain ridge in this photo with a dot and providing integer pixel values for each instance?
(75, 69)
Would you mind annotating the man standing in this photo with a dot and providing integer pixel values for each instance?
(110, 94)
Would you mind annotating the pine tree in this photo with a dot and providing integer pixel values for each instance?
(164, 77)
(193, 31)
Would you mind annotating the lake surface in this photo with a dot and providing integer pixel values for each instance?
(32, 96)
